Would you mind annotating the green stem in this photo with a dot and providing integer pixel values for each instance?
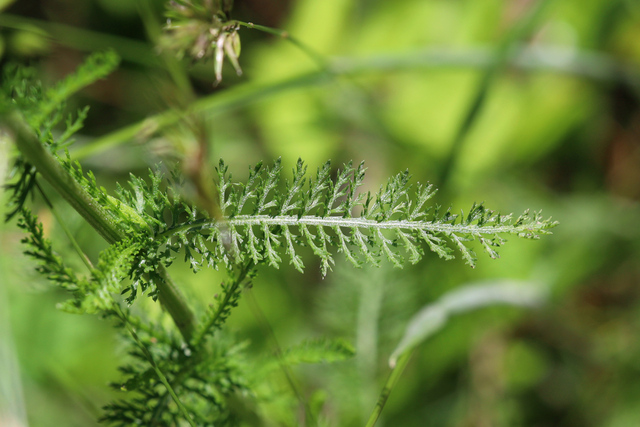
(388, 387)
(61, 180)
(173, 301)
(315, 56)
(64, 183)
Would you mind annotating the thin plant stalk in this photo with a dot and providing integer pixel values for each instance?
(318, 58)
(397, 370)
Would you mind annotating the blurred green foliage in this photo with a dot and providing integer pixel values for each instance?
(559, 129)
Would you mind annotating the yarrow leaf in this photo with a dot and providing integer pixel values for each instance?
(262, 223)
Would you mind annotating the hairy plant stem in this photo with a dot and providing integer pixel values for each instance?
(65, 184)
(61, 180)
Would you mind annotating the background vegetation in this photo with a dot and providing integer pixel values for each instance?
(521, 104)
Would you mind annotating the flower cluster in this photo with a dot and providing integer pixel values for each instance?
(201, 30)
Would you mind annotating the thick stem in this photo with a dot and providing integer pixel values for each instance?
(65, 184)
(173, 301)
(61, 180)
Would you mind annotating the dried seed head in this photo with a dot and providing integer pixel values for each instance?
(200, 30)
